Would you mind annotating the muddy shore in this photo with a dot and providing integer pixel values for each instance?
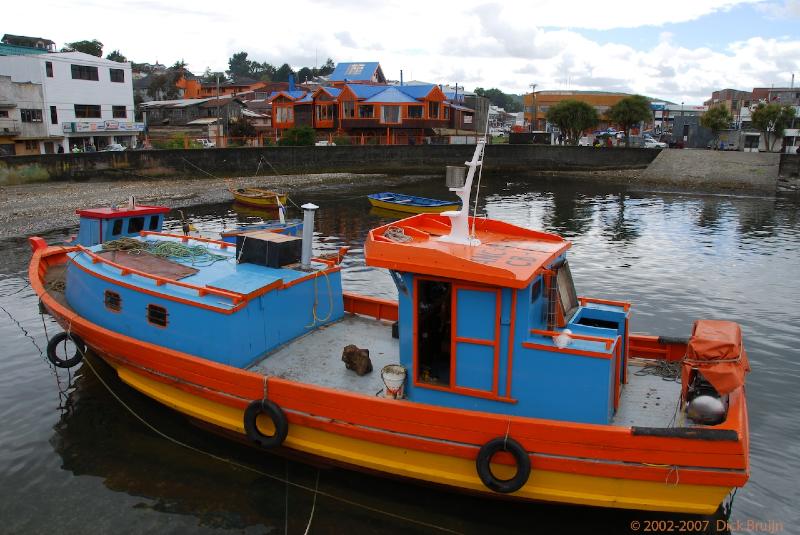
(29, 209)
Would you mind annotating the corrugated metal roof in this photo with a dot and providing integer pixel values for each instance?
(392, 95)
(366, 91)
(417, 91)
(332, 91)
(306, 99)
(354, 71)
(294, 95)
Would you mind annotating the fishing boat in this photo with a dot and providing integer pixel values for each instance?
(400, 202)
(258, 197)
(489, 374)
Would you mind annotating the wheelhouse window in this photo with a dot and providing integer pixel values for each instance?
(30, 116)
(154, 222)
(390, 114)
(112, 301)
(157, 315)
(414, 112)
(433, 110)
(116, 230)
(434, 315)
(119, 112)
(48, 68)
(566, 291)
(366, 111)
(84, 72)
(117, 75)
(87, 111)
(135, 224)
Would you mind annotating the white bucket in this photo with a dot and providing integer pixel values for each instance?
(394, 377)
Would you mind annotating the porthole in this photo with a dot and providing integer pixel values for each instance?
(112, 301)
(157, 315)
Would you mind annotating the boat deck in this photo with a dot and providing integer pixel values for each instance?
(316, 358)
(648, 399)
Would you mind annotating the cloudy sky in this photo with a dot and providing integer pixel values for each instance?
(679, 50)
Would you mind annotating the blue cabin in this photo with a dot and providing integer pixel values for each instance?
(98, 225)
(497, 326)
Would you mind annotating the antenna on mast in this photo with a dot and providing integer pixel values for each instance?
(459, 219)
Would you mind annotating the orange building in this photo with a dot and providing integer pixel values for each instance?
(541, 101)
(196, 89)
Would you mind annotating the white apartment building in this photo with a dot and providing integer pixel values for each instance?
(85, 99)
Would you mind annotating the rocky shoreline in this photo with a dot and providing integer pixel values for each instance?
(28, 209)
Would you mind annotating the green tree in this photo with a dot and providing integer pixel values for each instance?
(630, 111)
(93, 47)
(210, 77)
(299, 136)
(163, 86)
(117, 56)
(573, 117)
(510, 103)
(282, 74)
(716, 119)
(327, 68)
(240, 129)
(305, 74)
(771, 120)
(239, 66)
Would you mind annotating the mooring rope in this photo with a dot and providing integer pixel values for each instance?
(197, 255)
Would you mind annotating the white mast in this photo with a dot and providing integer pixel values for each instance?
(459, 219)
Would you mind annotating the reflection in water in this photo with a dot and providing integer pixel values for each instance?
(677, 257)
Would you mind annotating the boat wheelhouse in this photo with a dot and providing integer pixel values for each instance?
(514, 384)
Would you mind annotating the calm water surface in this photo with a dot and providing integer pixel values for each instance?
(74, 460)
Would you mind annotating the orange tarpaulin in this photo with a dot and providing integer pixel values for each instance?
(715, 350)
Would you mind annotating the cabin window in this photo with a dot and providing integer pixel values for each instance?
(112, 301)
(116, 230)
(135, 224)
(157, 315)
(415, 112)
(566, 291)
(366, 111)
(390, 114)
(154, 223)
(433, 110)
(434, 305)
(536, 290)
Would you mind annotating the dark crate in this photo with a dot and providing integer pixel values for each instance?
(269, 249)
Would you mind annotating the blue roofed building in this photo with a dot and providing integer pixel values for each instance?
(367, 72)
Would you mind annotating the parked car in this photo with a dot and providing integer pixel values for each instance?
(650, 143)
(113, 147)
(206, 143)
(325, 143)
(585, 141)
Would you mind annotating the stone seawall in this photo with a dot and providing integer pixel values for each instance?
(708, 169)
(420, 159)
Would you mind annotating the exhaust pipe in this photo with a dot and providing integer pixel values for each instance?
(308, 234)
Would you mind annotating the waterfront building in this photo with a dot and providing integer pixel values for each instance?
(368, 72)
(537, 104)
(21, 45)
(85, 101)
(191, 118)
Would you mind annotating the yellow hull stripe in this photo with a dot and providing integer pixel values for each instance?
(394, 207)
(445, 470)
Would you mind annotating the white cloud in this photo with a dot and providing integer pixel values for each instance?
(508, 45)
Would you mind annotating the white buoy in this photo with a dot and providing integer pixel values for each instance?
(308, 234)
(563, 340)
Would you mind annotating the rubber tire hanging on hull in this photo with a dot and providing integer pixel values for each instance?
(52, 346)
(521, 459)
(275, 414)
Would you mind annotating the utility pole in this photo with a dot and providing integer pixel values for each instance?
(533, 96)
(219, 120)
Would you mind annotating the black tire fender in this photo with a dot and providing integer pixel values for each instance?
(521, 459)
(274, 412)
(52, 346)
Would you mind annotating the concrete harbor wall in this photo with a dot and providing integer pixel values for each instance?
(693, 169)
(397, 159)
(707, 169)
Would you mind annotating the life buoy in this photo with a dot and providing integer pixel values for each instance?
(52, 346)
(264, 406)
(521, 458)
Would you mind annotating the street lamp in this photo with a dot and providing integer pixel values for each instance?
(533, 95)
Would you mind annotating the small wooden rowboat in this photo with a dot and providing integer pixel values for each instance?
(259, 197)
(401, 202)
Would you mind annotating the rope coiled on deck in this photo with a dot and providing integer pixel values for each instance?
(194, 254)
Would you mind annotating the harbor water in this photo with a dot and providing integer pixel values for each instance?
(81, 452)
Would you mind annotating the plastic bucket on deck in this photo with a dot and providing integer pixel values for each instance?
(394, 377)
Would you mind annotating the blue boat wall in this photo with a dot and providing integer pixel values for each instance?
(93, 231)
(489, 329)
(208, 326)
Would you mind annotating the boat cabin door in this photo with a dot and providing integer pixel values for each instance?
(457, 336)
